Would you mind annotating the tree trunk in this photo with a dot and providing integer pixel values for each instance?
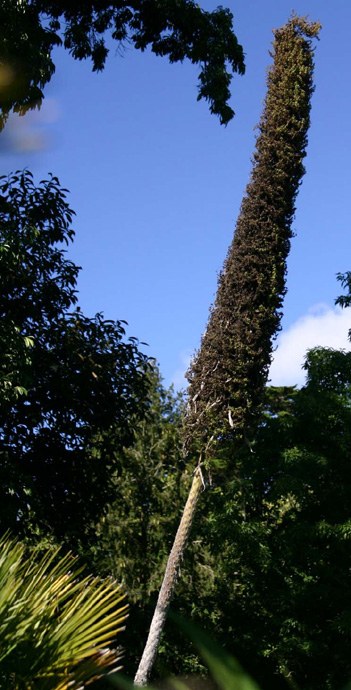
(169, 581)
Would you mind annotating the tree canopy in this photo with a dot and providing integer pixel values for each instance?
(179, 29)
(268, 571)
(71, 386)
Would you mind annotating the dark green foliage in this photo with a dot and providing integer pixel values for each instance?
(278, 530)
(228, 374)
(136, 534)
(25, 57)
(37, 280)
(178, 29)
(225, 672)
(147, 488)
(345, 300)
(71, 387)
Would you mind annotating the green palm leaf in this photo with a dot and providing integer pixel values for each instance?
(56, 627)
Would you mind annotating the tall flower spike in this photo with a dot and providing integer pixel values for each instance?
(229, 372)
(228, 375)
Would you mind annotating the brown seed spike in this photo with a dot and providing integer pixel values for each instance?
(228, 374)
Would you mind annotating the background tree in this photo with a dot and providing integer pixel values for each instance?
(267, 574)
(85, 386)
(147, 490)
(278, 530)
(228, 375)
(136, 534)
(345, 300)
(178, 29)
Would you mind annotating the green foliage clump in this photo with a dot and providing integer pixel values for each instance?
(277, 529)
(225, 671)
(147, 495)
(82, 385)
(149, 487)
(26, 65)
(179, 29)
(345, 300)
(228, 374)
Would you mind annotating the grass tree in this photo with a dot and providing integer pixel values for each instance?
(229, 372)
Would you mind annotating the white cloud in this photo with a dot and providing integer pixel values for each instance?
(324, 326)
(178, 378)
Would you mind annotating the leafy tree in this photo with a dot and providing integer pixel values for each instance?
(345, 300)
(38, 281)
(178, 29)
(278, 531)
(135, 535)
(225, 671)
(228, 375)
(56, 630)
(84, 385)
(147, 490)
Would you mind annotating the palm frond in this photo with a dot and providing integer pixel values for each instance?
(56, 626)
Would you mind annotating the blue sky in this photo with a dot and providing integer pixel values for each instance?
(157, 183)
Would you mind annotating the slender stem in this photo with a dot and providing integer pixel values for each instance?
(169, 581)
